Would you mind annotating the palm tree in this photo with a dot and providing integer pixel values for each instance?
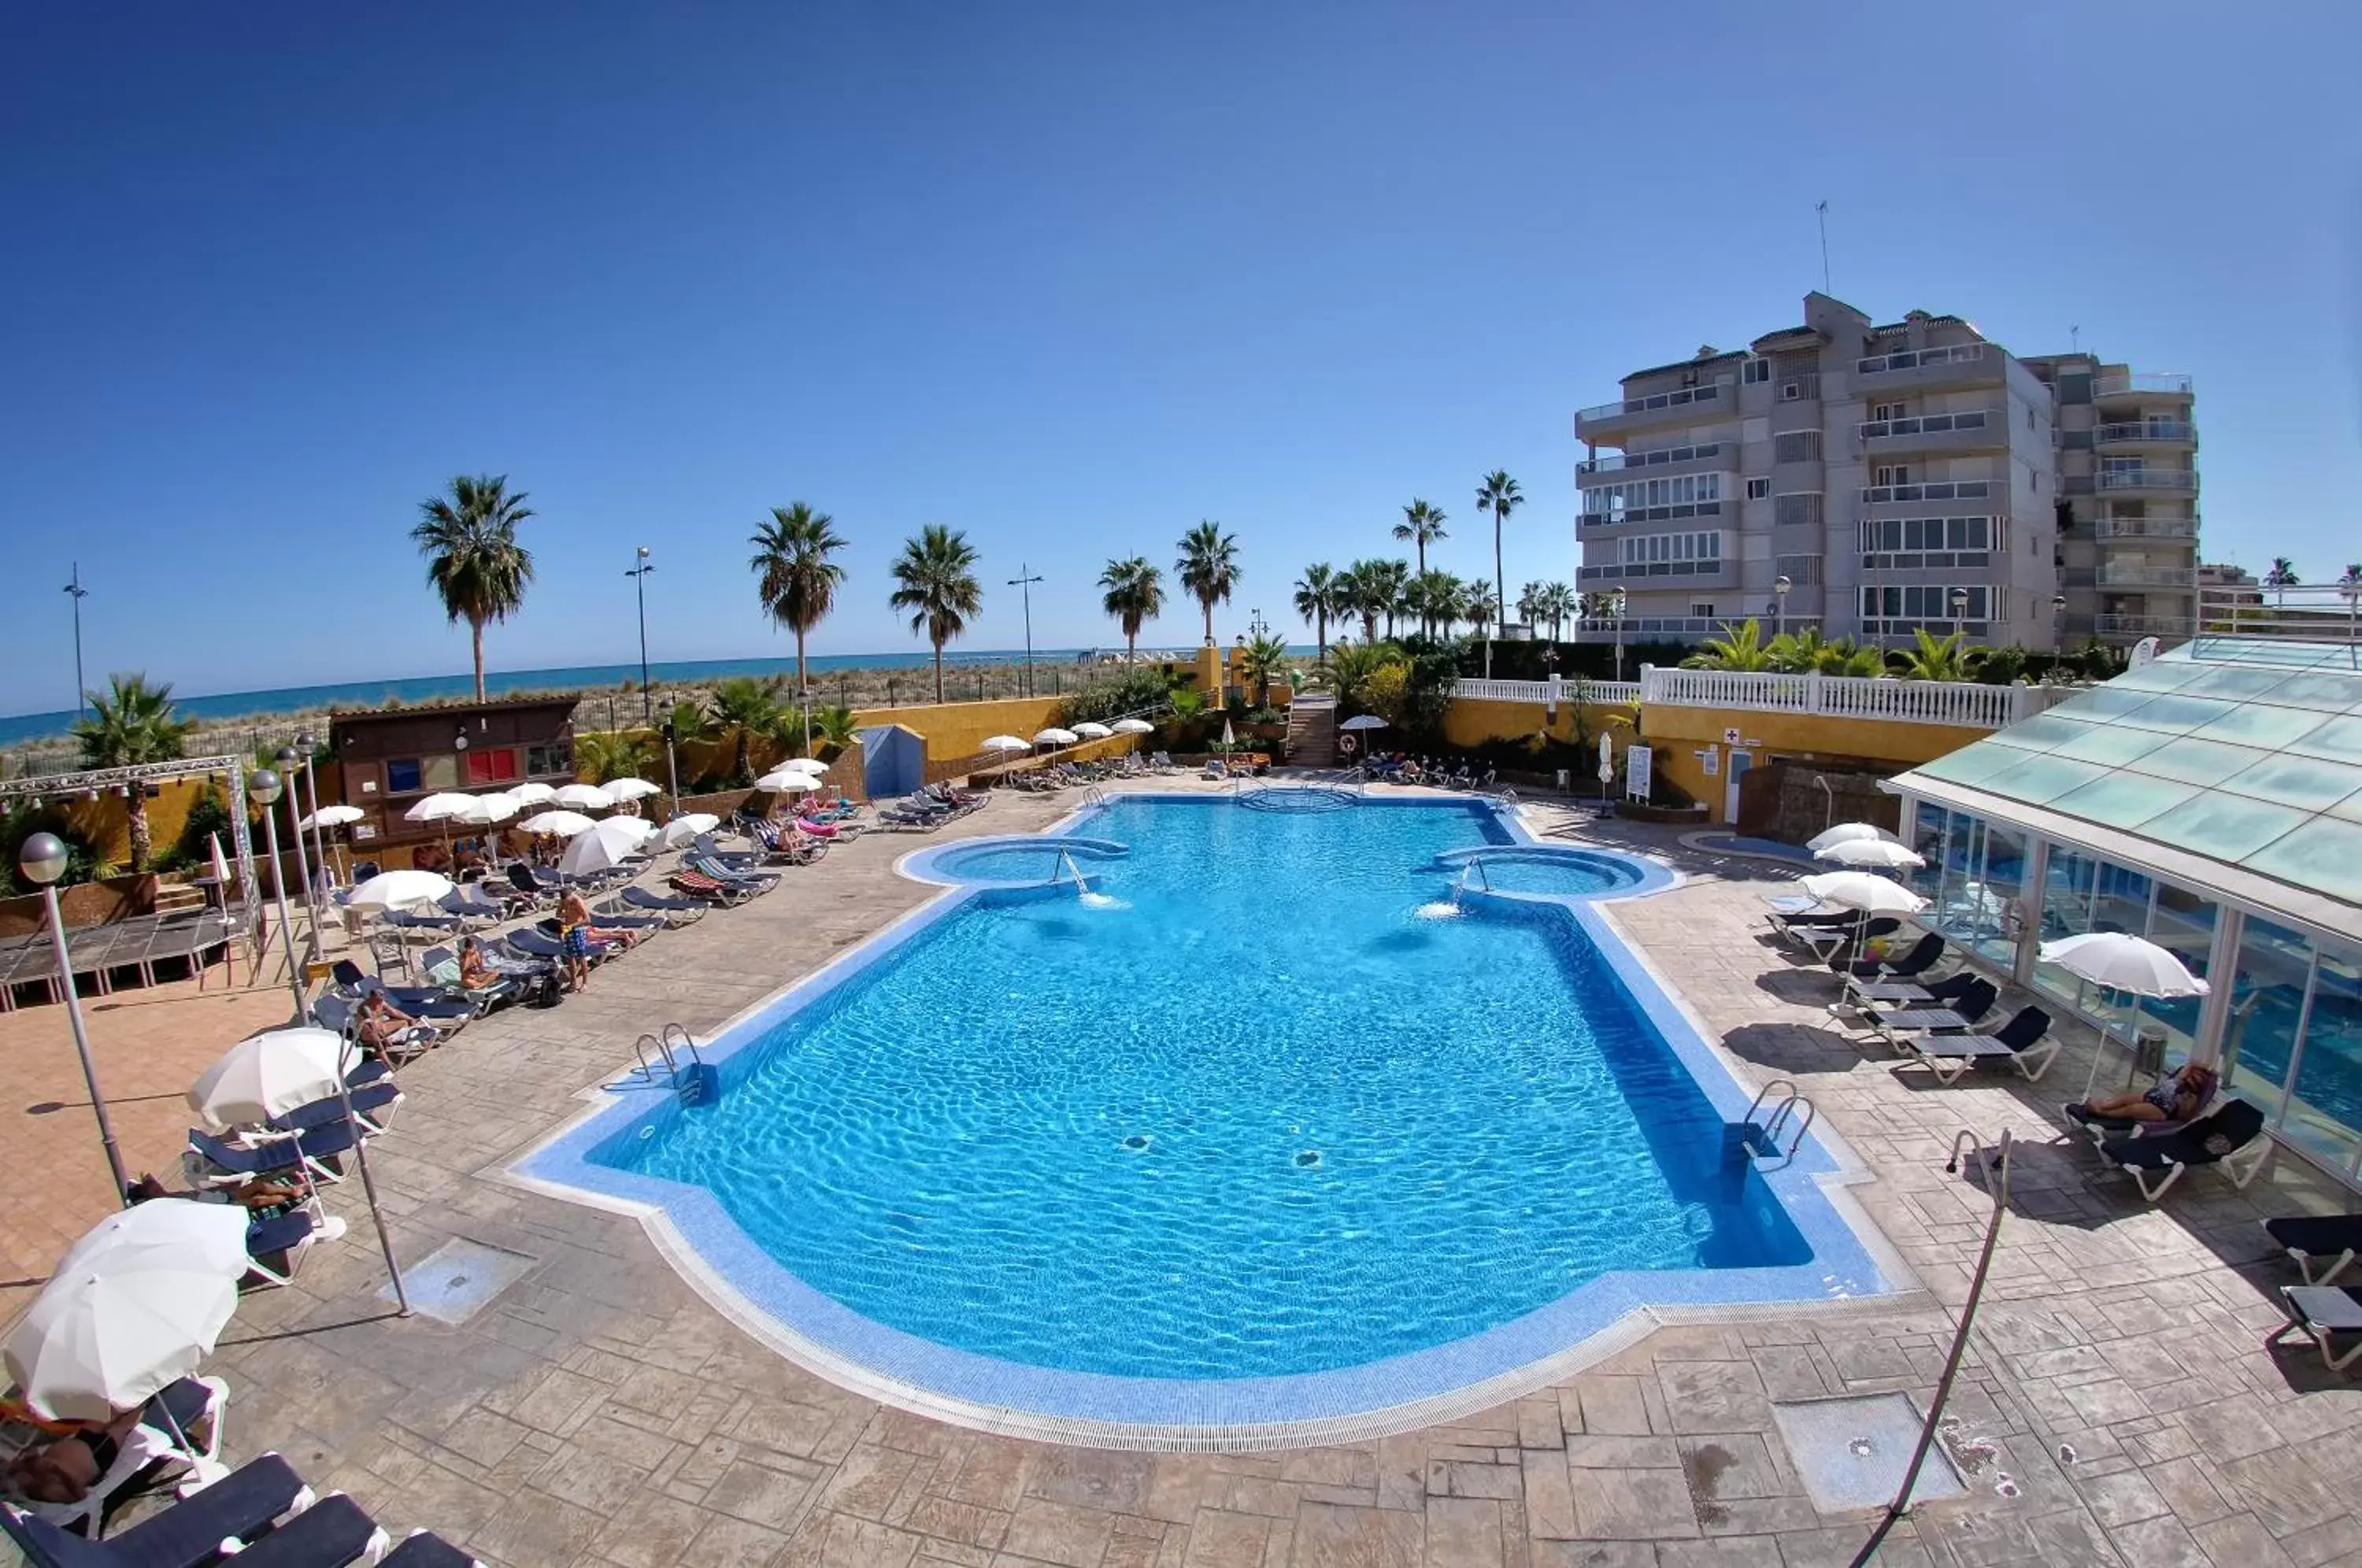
(1932, 657)
(1266, 657)
(1208, 568)
(1421, 524)
(795, 579)
(625, 754)
(1435, 596)
(1478, 604)
(473, 558)
(1320, 593)
(1136, 596)
(937, 574)
(2282, 577)
(1498, 493)
(1740, 648)
(1387, 584)
(743, 707)
(1560, 603)
(1351, 667)
(130, 723)
(836, 726)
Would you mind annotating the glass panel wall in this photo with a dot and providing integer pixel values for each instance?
(2268, 991)
(2324, 1106)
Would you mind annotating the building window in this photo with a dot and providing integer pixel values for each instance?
(1756, 370)
(1928, 603)
(1890, 474)
(497, 764)
(1803, 508)
(556, 758)
(1656, 500)
(1796, 447)
(1802, 571)
(402, 775)
(1757, 490)
(1643, 549)
(1702, 609)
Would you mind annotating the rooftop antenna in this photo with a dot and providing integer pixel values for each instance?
(2075, 339)
(1823, 209)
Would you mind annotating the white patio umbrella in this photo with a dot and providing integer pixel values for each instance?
(334, 816)
(1006, 743)
(1134, 727)
(1091, 731)
(400, 891)
(1849, 832)
(1862, 891)
(1053, 735)
(133, 1307)
(563, 824)
(485, 810)
(1872, 855)
(810, 765)
(788, 781)
(683, 829)
(271, 1074)
(530, 794)
(441, 806)
(605, 845)
(632, 788)
(1364, 722)
(2122, 962)
(1230, 736)
(584, 797)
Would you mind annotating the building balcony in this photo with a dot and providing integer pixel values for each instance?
(2145, 528)
(1697, 457)
(1662, 574)
(1911, 500)
(2141, 574)
(1613, 421)
(1687, 628)
(1970, 430)
(1962, 364)
(1713, 512)
(2113, 626)
(2172, 433)
(2116, 388)
(2152, 481)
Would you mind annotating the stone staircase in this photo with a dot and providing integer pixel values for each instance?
(1312, 731)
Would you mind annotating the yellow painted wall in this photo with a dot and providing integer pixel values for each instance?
(960, 729)
(1677, 734)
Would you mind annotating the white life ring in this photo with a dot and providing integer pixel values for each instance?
(1345, 744)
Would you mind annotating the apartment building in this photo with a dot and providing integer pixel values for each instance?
(1871, 480)
(2129, 486)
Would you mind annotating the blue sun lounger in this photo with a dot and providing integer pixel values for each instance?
(190, 1533)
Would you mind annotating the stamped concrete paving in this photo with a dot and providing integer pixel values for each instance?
(2119, 1405)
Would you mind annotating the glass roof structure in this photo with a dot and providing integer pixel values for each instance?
(2241, 752)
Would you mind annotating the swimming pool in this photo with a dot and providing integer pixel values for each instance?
(1255, 1123)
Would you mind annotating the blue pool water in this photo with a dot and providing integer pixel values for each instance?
(1246, 1114)
(1551, 871)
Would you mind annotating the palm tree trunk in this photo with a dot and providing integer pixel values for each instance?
(939, 673)
(138, 825)
(1208, 605)
(1320, 636)
(1130, 645)
(476, 632)
(803, 689)
(1500, 583)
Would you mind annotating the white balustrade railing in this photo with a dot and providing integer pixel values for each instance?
(1958, 702)
(1850, 697)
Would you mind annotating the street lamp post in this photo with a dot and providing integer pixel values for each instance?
(309, 745)
(639, 576)
(1960, 613)
(74, 588)
(263, 786)
(1780, 588)
(2058, 622)
(43, 860)
(286, 760)
(1617, 604)
(1023, 582)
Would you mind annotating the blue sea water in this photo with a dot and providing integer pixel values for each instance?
(589, 677)
(1244, 1113)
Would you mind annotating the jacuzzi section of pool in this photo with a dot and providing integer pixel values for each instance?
(1243, 1133)
(1574, 873)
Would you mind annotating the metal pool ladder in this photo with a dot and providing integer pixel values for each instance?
(1094, 796)
(695, 1082)
(1784, 1098)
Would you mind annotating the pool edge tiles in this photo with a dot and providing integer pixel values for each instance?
(1848, 1262)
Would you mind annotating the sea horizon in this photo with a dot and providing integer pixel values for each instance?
(221, 706)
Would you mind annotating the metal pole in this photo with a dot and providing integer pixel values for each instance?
(319, 849)
(302, 861)
(639, 576)
(286, 930)
(81, 1041)
(1901, 1503)
(1023, 582)
(368, 1182)
(74, 588)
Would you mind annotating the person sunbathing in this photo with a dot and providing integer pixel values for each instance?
(2177, 1096)
(65, 1470)
(380, 1025)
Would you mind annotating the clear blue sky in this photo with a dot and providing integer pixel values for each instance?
(1069, 277)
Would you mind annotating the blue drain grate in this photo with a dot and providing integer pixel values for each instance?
(452, 1283)
(1852, 1453)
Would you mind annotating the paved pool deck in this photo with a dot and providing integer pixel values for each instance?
(2119, 1405)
